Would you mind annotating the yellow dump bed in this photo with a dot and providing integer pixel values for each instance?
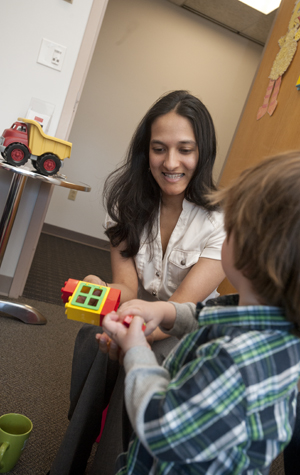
(40, 143)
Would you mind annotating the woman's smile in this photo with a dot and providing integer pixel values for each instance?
(173, 177)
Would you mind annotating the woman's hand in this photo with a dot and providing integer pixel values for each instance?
(108, 346)
(94, 279)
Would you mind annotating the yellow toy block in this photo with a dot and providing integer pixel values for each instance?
(86, 303)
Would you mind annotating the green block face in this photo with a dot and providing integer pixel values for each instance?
(88, 296)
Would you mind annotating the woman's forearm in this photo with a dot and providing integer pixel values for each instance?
(127, 293)
(159, 335)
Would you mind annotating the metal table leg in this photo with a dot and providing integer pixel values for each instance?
(25, 313)
(10, 210)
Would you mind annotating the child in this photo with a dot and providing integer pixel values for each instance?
(224, 400)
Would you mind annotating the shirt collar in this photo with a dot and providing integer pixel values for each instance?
(256, 317)
(187, 206)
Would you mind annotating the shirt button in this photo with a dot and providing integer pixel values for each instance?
(157, 274)
(182, 262)
(154, 293)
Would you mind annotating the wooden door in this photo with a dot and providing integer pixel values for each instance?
(255, 140)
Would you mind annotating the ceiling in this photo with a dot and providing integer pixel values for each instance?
(233, 15)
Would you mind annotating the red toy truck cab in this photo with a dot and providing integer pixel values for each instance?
(16, 144)
(17, 133)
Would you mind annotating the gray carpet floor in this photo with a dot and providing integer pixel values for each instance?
(35, 362)
(56, 260)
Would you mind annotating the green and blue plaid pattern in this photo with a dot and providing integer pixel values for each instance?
(229, 408)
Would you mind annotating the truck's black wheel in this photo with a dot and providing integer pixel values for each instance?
(48, 164)
(16, 154)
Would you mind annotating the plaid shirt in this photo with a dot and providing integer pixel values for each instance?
(229, 404)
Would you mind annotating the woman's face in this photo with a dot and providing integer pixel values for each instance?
(173, 153)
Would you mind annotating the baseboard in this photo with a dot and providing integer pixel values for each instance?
(75, 236)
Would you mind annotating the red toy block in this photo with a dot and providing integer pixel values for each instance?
(111, 303)
(128, 319)
(68, 289)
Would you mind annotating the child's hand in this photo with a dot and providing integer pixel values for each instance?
(153, 313)
(125, 337)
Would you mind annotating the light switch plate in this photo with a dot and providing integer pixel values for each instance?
(51, 54)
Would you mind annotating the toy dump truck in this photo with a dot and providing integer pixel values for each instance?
(26, 140)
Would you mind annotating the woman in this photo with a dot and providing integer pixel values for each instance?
(165, 244)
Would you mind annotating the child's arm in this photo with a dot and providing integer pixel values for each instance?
(180, 418)
(175, 417)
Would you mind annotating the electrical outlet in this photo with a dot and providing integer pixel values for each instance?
(56, 56)
(51, 54)
(72, 195)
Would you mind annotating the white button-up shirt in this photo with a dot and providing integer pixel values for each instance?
(198, 233)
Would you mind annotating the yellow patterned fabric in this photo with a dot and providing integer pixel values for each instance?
(288, 45)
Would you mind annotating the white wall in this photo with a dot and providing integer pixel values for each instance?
(145, 48)
(23, 25)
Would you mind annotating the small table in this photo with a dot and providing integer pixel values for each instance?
(20, 175)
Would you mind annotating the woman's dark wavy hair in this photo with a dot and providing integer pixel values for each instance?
(132, 195)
